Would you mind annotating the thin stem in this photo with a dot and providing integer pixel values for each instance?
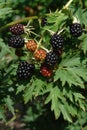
(38, 45)
(44, 48)
(18, 21)
(67, 5)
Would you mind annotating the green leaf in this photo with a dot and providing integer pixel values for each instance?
(28, 92)
(39, 86)
(2, 116)
(9, 104)
(71, 71)
(65, 113)
(70, 61)
(20, 88)
(56, 21)
(55, 103)
(84, 43)
(4, 12)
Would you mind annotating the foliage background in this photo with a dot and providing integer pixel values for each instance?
(34, 115)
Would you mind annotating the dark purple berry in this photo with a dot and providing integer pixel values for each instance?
(17, 29)
(51, 58)
(76, 29)
(16, 41)
(57, 42)
(25, 70)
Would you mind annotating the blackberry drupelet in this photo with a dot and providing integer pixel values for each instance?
(51, 58)
(57, 42)
(16, 41)
(44, 22)
(17, 29)
(25, 70)
(76, 29)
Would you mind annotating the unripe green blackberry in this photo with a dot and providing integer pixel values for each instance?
(57, 42)
(51, 58)
(17, 29)
(16, 41)
(76, 29)
(25, 70)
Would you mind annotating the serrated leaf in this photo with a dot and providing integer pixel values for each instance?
(81, 14)
(71, 71)
(56, 21)
(70, 61)
(39, 86)
(4, 12)
(20, 88)
(53, 97)
(65, 113)
(2, 116)
(9, 104)
(84, 43)
(28, 93)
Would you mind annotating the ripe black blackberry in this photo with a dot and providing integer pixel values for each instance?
(76, 29)
(43, 22)
(51, 58)
(25, 70)
(57, 42)
(17, 29)
(16, 41)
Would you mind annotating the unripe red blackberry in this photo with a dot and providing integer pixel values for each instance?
(17, 29)
(57, 42)
(76, 29)
(16, 41)
(40, 55)
(46, 71)
(51, 58)
(31, 45)
(25, 70)
(44, 22)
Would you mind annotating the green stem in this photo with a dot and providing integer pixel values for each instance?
(44, 48)
(17, 21)
(67, 5)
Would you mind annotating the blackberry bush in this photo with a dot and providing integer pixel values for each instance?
(64, 87)
(16, 41)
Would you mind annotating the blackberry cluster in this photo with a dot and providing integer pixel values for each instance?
(57, 42)
(51, 58)
(44, 22)
(76, 29)
(17, 29)
(16, 41)
(25, 70)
